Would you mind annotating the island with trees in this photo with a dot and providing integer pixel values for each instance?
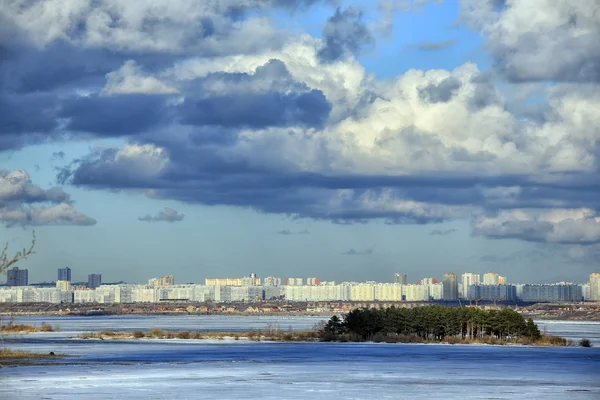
(435, 324)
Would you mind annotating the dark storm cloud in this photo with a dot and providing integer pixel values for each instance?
(441, 92)
(199, 175)
(166, 215)
(344, 33)
(257, 110)
(59, 65)
(431, 46)
(270, 77)
(205, 178)
(26, 120)
(240, 185)
(268, 97)
(27, 114)
(117, 115)
(201, 166)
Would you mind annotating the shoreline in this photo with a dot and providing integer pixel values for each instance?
(311, 337)
(593, 317)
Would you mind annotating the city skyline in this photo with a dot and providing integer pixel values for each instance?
(250, 288)
(463, 279)
(301, 138)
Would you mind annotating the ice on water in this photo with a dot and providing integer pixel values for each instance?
(182, 369)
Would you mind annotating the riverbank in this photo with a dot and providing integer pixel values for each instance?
(313, 336)
(22, 357)
(251, 335)
(21, 328)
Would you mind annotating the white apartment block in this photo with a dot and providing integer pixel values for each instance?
(363, 292)
(467, 280)
(585, 291)
(388, 292)
(84, 296)
(490, 278)
(416, 292)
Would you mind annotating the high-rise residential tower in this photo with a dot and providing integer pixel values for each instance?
(468, 279)
(595, 286)
(490, 278)
(401, 279)
(64, 274)
(450, 287)
(94, 280)
(17, 277)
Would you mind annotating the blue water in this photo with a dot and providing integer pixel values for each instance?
(181, 369)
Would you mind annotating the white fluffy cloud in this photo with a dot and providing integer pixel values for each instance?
(553, 40)
(131, 79)
(142, 26)
(22, 203)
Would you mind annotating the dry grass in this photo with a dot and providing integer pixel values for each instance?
(20, 328)
(549, 340)
(9, 355)
(312, 336)
(105, 335)
(157, 333)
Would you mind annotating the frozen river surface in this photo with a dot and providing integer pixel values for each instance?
(179, 369)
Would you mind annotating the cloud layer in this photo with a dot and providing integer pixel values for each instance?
(216, 105)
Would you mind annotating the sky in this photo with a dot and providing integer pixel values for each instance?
(346, 140)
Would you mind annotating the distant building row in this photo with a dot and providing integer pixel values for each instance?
(326, 291)
(452, 288)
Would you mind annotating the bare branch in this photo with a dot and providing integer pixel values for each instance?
(6, 263)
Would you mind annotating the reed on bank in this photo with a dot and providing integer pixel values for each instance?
(21, 328)
(7, 354)
(252, 335)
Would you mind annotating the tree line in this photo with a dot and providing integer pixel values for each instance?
(431, 323)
